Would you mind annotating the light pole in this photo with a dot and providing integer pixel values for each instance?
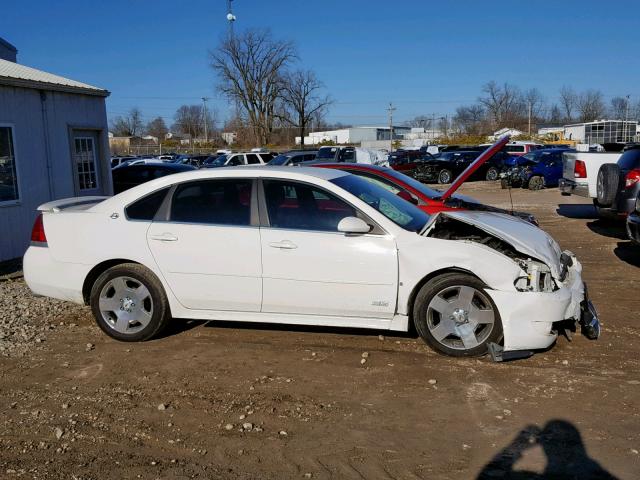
(391, 109)
(204, 118)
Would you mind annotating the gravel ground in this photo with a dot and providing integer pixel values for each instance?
(222, 400)
(26, 321)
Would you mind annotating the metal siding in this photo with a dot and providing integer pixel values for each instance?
(21, 108)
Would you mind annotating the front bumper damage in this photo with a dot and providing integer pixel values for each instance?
(529, 318)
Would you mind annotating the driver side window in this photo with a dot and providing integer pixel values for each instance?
(298, 206)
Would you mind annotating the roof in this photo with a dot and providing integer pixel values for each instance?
(7, 45)
(17, 75)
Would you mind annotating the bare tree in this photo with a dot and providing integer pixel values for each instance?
(250, 67)
(536, 101)
(421, 121)
(190, 120)
(591, 105)
(503, 103)
(568, 102)
(470, 120)
(302, 99)
(555, 115)
(157, 128)
(129, 125)
(619, 108)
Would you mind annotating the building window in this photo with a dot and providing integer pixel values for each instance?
(84, 157)
(8, 172)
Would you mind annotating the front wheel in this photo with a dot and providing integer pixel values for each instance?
(536, 183)
(455, 316)
(445, 176)
(492, 174)
(129, 303)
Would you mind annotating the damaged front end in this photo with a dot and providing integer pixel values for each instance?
(548, 291)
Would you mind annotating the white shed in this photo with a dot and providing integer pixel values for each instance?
(53, 144)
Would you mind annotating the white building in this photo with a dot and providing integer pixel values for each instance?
(53, 144)
(229, 137)
(602, 131)
(354, 135)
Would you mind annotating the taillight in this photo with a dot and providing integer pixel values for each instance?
(632, 178)
(37, 233)
(580, 169)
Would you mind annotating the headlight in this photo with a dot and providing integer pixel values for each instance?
(537, 279)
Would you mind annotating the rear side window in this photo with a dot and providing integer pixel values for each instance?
(221, 202)
(629, 160)
(147, 207)
(252, 159)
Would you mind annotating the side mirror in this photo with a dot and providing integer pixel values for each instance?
(353, 225)
(407, 196)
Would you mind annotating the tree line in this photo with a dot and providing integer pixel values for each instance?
(192, 121)
(506, 105)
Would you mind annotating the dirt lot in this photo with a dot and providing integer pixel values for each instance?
(77, 405)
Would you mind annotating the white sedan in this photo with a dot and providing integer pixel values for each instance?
(305, 246)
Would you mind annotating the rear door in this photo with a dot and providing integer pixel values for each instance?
(208, 245)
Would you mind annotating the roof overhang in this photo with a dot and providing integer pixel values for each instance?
(35, 85)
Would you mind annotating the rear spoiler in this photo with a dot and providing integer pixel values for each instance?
(59, 205)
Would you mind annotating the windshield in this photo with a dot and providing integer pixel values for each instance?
(399, 211)
(219, 161)
(280, 160)
(325, 153)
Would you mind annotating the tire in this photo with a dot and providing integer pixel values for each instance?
(492, 174)
(443, 317)
(504, 183)
(445, 176)
(129, 303)
(607, 184)
(536, 182)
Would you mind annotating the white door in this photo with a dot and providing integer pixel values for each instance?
(311, 268)
(85, 161)
(209, 248)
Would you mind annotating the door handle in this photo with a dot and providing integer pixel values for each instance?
(165, 237)
(285, 245)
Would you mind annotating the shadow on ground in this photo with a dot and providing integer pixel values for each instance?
(569, 210)
(628, 252)
(564, 450)
(608, 228)
(276, 327)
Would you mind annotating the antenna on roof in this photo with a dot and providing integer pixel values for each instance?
(230, 17)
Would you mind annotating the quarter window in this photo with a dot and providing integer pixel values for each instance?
(8, 174)
(303, 207)
(252, 159)
(222, 202)
(147, 207)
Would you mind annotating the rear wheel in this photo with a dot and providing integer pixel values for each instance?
(536, 182)
(445, 176)
(129, 303)
(607, 184)
(492, 174)
(455, 316)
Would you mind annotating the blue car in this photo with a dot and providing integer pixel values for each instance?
(542, 168)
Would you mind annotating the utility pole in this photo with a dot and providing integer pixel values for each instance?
(433, 127)
(204, 118)
(529, 119)
(391, 109)
(230, 18)
(626, 120)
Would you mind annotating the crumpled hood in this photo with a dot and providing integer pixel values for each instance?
(523, 236)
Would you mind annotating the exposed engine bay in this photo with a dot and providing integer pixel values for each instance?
(538, 276)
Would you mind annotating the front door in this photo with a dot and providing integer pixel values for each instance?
(85, 159)
(311, 268)
(208, 249)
